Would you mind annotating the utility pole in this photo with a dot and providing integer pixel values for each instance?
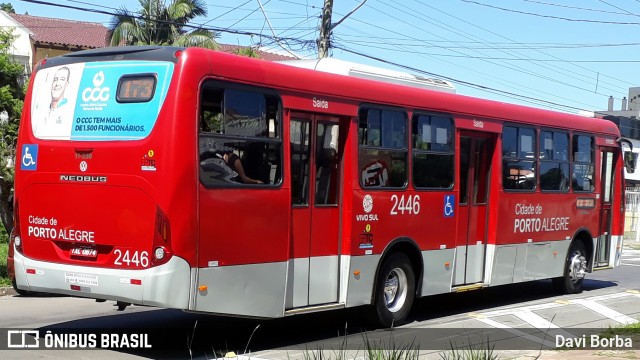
(325, 30)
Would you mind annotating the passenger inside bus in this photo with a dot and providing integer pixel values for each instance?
(225, 165)
(233, 161)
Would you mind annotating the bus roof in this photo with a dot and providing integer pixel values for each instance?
(355, 90)
(342, 67)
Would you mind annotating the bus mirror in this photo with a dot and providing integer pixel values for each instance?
(630, 159)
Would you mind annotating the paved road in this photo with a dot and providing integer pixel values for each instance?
(525, 314)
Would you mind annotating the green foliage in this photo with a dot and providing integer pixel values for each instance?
(7, 7)
(248, 52)
(470, 352)
(4, 274)
(11, 102)
(628, 329)
(157, 23)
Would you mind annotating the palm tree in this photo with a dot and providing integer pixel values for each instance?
(158, 24)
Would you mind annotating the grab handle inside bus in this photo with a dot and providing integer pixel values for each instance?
(630, 158)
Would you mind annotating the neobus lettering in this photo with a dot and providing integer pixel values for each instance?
(541, 224)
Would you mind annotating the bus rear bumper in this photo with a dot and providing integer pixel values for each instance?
(164, 286)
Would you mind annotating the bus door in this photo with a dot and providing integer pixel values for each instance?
(476, 152)
(316, 157)
(608, 160)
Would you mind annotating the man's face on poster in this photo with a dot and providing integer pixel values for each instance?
(60, 81)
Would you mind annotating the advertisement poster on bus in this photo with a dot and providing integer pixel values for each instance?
(98, 101)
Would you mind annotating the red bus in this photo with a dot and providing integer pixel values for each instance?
(208, 182)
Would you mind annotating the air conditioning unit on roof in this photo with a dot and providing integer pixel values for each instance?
(335, 66)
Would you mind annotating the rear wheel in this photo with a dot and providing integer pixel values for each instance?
(394, 291)
(574, 270)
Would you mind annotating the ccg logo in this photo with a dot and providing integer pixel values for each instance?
(23, 339)
(97, 93)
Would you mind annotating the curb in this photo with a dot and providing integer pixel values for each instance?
(7, 291)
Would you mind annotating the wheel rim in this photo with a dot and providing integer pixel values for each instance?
(395, 289)
(578, 267)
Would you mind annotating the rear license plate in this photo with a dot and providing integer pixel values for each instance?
(89, 253)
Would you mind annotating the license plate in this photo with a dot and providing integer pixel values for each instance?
(84, 252)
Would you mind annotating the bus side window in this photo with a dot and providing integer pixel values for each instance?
(382, 155)
(243, 123)
(518, 158)
(582, 179)
(554, 161)
(432, 151)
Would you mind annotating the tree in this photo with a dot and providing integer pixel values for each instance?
(11, 100)
(247, 51)
(7, 7)
(159, 24)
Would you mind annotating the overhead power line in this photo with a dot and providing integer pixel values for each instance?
(461, 82)
(551, 16)
(290, 40)
(190, 26)
(580, 8)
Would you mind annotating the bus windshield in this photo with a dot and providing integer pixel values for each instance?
(98, 101)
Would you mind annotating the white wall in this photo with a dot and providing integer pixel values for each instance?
(21, 46)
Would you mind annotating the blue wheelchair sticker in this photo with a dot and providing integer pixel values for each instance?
(449, 204)
(29, 159)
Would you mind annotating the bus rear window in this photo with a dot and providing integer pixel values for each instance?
(136, 88)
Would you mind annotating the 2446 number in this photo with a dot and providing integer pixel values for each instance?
(410, 204)
(131, 258)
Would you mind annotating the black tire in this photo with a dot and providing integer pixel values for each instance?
(394, 291)
(575, 268)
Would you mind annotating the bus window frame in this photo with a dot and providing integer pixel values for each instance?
(517, 158)
(592, 163)
(413, 151)
(541, 161)
(406, 149)
(216, 84)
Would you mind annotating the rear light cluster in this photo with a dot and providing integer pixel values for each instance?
(161, 239)
(16, 239)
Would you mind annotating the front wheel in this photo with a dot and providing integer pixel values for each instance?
(574, 270)
(394, 291)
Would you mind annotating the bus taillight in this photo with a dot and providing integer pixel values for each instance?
(15, 234)
(162, 238)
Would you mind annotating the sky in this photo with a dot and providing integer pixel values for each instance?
(564, 55)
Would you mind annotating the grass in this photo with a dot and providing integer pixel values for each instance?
(4, 248)
(629, 330)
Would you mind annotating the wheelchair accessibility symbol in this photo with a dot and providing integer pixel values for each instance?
(29, 157)
(449, 203)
